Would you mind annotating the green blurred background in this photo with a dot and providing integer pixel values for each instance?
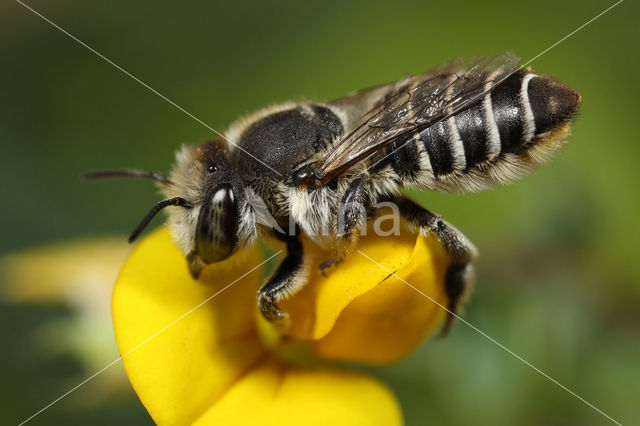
(558, 273)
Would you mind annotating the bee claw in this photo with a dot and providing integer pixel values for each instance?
(272, 313)
(326, 265)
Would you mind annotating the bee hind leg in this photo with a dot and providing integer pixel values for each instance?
(462, 252)
(289, 277)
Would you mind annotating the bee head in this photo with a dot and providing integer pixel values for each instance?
(213, 229)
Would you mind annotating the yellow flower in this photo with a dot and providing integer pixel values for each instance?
(217, 362)
(363, 313)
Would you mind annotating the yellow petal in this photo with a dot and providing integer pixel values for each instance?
(210, 367)
(80, 275)
(363, 313)
(181, 372)
(275, 395)
(65, 272)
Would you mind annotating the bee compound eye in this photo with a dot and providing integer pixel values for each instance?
(217, 225)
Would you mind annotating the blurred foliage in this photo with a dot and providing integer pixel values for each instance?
(558, 274)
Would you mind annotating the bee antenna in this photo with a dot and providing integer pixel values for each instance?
(176, 201)
(134, 173)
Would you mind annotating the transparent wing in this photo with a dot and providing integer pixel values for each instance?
(414, 104)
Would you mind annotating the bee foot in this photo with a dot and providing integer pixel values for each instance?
(328, 264)
(272, 313)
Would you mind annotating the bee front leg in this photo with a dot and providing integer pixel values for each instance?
(289, 277)
(351, 218)
(461, 251)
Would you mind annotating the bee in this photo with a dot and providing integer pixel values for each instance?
(464, 126)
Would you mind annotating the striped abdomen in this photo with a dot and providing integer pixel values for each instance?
(488, 141)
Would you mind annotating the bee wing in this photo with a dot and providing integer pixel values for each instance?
(398, 110)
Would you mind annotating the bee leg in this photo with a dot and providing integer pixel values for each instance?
(352, 217)
(462, 252)
(288, 278)
(328, 264)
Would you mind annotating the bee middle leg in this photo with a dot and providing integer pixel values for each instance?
(352, 216)
(288, 278)
(334, 261)
(461, 251)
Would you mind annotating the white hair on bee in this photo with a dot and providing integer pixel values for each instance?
(513, 167)
(423, 176)
(509, 168)
(457, 148)
(385, 183)
(314, 211)
(342, 115)
(247, 226)
(548, 146)
(298, 279)
(188, 178)
(468, 126)
(505, 169)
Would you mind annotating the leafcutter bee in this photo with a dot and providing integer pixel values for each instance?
(463, 126)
